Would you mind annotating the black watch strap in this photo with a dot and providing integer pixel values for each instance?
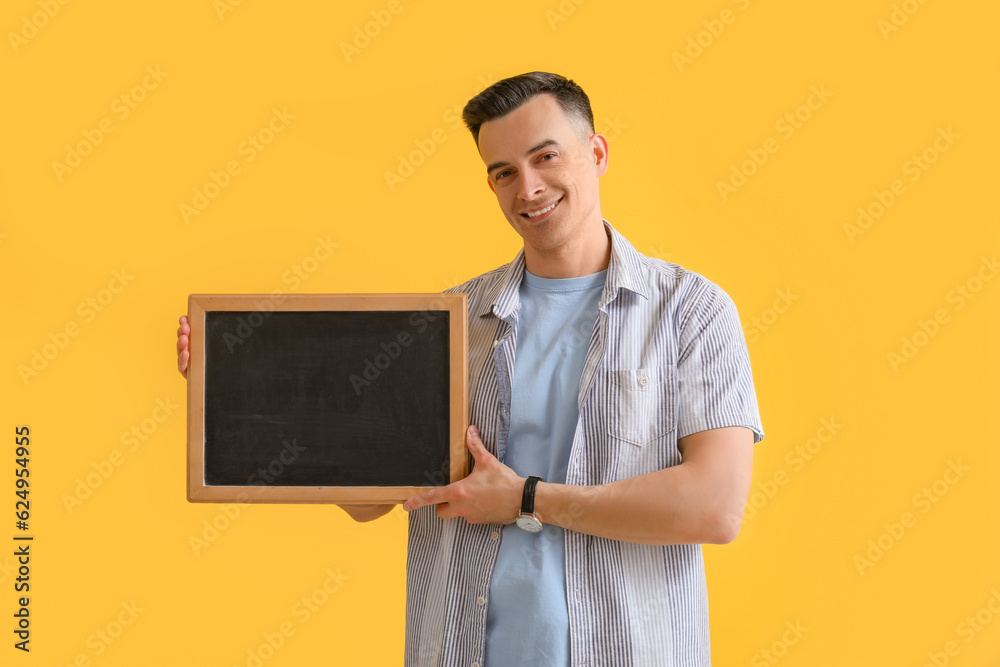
(528, 498)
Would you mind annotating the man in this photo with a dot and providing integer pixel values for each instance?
(621, 381)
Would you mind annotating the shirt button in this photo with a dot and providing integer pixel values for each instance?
(480, 600)
(496, 535)
(475, 664)
(578, 596)
(496, 343)
(643, 380)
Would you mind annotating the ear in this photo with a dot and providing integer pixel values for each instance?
(490, 183)
(599, 145)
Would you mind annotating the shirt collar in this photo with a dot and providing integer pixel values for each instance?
(626, 269)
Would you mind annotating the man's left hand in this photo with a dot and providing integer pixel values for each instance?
(490, 494)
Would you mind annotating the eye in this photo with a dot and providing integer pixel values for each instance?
(502, 174)
(547, 156)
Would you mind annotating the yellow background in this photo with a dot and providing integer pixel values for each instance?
(676, 129)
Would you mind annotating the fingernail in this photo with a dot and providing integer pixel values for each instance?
(473, 430)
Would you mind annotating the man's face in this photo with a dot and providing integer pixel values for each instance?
(544, 169)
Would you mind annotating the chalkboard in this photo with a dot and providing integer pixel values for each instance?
(345, 398)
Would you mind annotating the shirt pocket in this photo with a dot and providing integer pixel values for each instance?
(641, 403)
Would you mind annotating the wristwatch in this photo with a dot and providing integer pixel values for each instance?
(527, 519)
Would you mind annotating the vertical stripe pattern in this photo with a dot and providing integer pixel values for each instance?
(667, 358)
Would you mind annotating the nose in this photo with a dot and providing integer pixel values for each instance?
(531, 185)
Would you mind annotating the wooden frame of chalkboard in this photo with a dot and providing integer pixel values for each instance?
(326, 398)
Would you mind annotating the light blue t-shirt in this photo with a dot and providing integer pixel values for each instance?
(527, 620)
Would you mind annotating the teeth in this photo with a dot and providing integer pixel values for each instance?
(544, 210)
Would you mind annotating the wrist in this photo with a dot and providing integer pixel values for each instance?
(559, 504)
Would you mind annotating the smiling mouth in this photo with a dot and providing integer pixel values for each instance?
(543, 211)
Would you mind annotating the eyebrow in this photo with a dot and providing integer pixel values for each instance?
(533, 149)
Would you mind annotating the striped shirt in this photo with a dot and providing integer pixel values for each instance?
(666, 358)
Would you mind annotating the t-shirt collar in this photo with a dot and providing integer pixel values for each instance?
(626, 269)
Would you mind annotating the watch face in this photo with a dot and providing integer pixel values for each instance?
(529, 523)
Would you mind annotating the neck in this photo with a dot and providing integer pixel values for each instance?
(582, 256)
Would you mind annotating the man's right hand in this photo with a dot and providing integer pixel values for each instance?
(183, 341)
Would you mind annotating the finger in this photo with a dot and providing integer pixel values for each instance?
(182, 343)
(182, 362)
(426, 498)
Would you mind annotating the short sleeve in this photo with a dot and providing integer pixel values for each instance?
(715, 383)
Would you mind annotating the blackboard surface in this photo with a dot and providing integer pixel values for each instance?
(335, 391)
(344, 398)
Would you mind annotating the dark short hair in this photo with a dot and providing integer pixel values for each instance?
(508, 94)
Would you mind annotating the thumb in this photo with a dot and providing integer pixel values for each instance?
(474, 443)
